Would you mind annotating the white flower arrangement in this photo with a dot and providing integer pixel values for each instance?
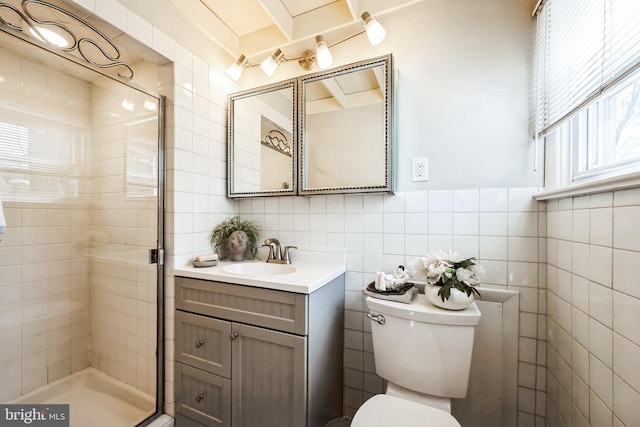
(449, 270)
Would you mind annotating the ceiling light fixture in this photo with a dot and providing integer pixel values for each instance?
(49, 36)
(322, 54)
(270, 63)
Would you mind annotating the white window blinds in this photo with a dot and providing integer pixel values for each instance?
(584, 47)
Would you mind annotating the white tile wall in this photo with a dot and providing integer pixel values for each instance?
(592, 249)
(383, 231)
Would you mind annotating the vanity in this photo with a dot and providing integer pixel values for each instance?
(259, 344)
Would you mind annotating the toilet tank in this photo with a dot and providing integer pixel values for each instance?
(424, 348)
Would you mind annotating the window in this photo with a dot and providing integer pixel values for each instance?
(588, 89)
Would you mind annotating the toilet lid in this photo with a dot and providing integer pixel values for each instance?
(383, 410)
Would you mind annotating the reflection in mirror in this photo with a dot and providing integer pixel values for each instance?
(262, 141)
(275, 156)
(345, 143)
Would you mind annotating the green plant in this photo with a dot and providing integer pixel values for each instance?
(223, 230)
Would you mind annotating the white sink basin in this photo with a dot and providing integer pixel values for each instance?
(310, 271)
(259, 269)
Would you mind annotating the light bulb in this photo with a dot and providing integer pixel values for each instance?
(375, 32)
(270, 63)
(235, 70)
(49, 36)
(323, 54)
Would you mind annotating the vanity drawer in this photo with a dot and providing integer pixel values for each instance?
(203, 397)
(204, 343)
(273, 309)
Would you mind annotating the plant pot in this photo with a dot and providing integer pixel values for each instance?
(237, 245)
(458, 300)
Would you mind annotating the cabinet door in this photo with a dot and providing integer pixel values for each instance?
(203, 397)
(204, 343)
(269, 378)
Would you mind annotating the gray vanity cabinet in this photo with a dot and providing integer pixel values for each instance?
(269, 380)
(250, 356)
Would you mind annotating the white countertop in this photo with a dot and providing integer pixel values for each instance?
(311, 273)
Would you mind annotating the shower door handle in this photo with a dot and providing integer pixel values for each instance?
(156, 256)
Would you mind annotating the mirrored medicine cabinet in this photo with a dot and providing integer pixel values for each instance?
(323, 133)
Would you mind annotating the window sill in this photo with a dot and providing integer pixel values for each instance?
(621, 182)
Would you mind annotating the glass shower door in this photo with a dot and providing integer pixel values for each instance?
(81, 173)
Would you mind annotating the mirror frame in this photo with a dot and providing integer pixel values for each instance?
(231, 193)
(386, 62)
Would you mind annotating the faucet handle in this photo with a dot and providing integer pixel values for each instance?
(286, 256)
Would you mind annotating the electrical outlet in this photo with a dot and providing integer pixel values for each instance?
(420, 169)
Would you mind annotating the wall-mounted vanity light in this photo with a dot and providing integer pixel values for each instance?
(322, 53)
(235, 70)
(375, 32)
(271, 63)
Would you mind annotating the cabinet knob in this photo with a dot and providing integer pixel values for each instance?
(199, 343)
(199, 397)
(233, 335)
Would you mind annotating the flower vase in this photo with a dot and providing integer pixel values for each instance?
(457, 300)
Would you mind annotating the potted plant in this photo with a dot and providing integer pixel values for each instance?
(236, 239)
(451, 279)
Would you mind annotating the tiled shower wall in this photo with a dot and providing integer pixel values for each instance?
(594, 310)
(501, 227)
(44, 286)
(76, 289)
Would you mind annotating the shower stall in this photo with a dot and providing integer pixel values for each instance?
(81, 188)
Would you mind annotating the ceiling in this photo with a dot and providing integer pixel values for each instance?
(256, 28)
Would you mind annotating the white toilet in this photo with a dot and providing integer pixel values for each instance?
(424, 353)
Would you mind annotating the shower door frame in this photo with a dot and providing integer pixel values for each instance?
(161, 206)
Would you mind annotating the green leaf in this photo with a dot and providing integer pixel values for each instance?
(445, 289)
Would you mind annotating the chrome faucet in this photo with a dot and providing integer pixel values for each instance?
(275, 251)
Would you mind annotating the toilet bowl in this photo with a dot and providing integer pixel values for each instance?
(415, 347)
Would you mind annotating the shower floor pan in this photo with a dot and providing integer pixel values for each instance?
(95, 399)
